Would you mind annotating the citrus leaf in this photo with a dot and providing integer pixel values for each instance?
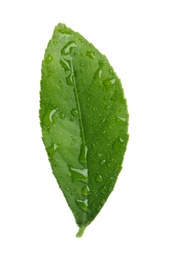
(84, 121)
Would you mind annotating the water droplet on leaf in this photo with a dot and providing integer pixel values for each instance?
(62, 116)
(48, 59)
(55, 147)
(102, 162)
(99, 178)
(99, 155)
(85, 190)
(101, 63)
(111, 72)
(90, 54)
(67, 49)
(119, 118)
(48, 117)
(70, 80)
(66, 64)
(107, 107)
(51, 149)
(79, 174)
(93, 109)
(98, 74)
(103, 190)
(55, 42)
(82, 204)
(83, 154)
(109, 83)
(116, 145)
(75, 112)
(51, 115)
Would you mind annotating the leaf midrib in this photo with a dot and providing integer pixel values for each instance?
(81, 127)
(79, 111)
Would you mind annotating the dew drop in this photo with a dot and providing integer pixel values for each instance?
(93, 109)
(83, 154)
(103, 132)
(107, 107)
(111, 72)
(99, 178)
(99, 208)
(66, 64)
(82, 204)
(114, 98)
(115, 146)
(108, 138)
(79, 174)
(102, 162)
(55, 147)
(48, 117)
(62, 115)
(85, 190)
(103, 201)
(81, 40)
(98, 74)
(101, 63)
(67, 49)
(51, 115)
(99, 155)
(109, 83)
(51, 149)
(121, 140)
(75, 112)
(119, 118)
(55, 42)
(103, 190)
(84, 172)
(90, 54)
(48, 59)
(70, 80)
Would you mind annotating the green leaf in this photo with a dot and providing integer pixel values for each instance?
(84, 121)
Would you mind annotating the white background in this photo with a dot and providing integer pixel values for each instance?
(137, 222)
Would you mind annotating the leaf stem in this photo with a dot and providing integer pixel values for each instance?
(81, 231)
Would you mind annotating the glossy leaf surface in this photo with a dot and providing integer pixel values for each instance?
(84, 120)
